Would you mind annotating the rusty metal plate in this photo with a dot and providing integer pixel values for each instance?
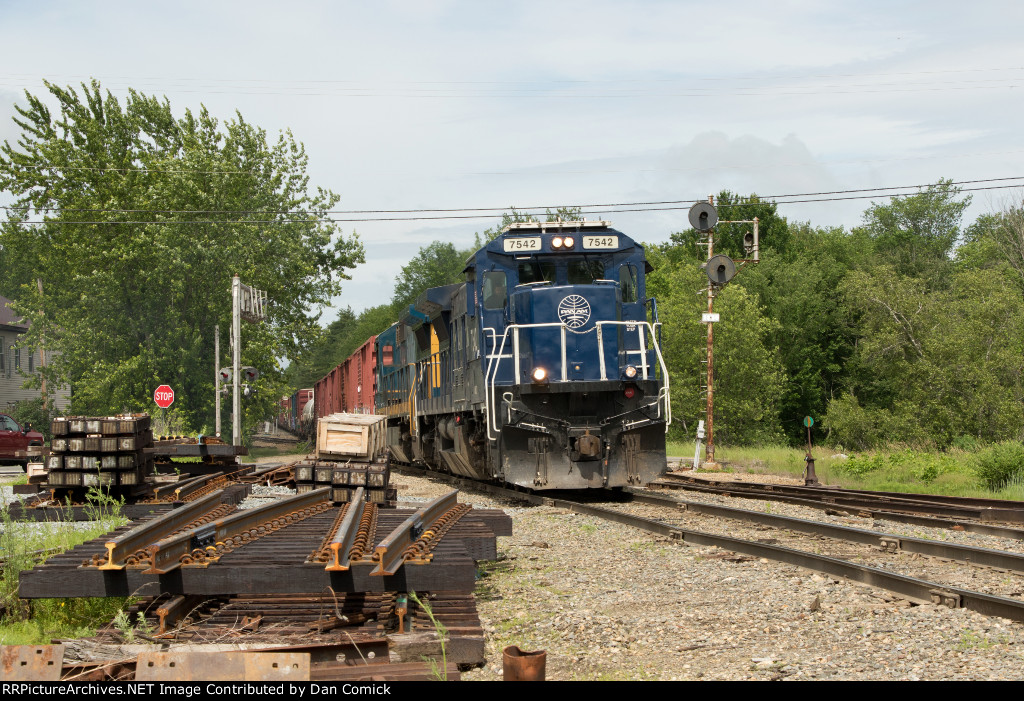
(31, 663)
(222, 666)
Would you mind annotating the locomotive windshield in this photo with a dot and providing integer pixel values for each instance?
(584, 272)
(536, 271)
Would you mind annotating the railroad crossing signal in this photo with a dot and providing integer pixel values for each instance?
(163, 396)
(249, 374)
(224, 375)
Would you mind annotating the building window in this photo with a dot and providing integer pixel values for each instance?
(31, 361)
(17, 358)
(3, 357)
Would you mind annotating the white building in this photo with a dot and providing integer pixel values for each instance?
(17, 363)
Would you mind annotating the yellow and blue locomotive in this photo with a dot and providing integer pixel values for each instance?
(542, 370)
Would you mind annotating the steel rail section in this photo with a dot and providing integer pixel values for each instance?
(154, 530)
(162, 492)
(886, 541)
(168, 552)
(1008, 532)
(388, 553)
(839, 498)
(341, 544)
(919, 590)
(979, 502)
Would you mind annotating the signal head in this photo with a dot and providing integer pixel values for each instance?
(703, 216)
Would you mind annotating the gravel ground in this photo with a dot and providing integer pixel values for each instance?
(610, 602)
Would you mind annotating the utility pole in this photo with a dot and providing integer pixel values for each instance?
(236, 346)
(216, 372)
(42, 356)
(250, 304)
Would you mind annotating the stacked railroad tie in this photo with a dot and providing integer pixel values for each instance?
(350, 453)
(99, 451)
(344, 478)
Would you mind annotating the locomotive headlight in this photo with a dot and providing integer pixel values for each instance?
(568, 241)
(539, 374)
(556, 242)
(629, 372)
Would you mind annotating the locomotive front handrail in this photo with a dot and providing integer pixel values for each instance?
(495, 358)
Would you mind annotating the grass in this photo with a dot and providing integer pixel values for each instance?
(39, 620)
(274, 451)
(897, 469)
(440, 672)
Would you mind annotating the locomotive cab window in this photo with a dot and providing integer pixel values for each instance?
(387, 354)
(495, 290)
(627, 281)
(536, 271)
(584, 272)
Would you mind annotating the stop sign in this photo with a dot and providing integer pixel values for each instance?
(163, 396)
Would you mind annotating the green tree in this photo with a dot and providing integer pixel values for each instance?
(436, 264)
(748, 375)
(135, 221)
(916, 234)
(996, 239)
(933, 365)
(814, 329)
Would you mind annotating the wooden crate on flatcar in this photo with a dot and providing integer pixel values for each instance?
(354, 437)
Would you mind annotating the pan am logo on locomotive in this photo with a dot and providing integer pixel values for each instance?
(574, 311)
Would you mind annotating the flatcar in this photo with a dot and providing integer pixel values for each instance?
(543, 369)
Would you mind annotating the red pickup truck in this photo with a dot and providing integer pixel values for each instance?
(14, 438)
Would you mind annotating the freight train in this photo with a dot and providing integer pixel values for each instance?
(543, 369)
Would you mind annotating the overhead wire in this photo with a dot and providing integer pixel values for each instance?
(523, 212)
(542, 209)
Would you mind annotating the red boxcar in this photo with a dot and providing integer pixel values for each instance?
(349, 388)
(291, 409)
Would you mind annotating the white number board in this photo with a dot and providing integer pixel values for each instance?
(522, 243)
(600, 241)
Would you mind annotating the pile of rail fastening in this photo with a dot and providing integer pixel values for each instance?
(328, 584)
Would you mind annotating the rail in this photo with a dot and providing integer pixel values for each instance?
(388, 553)
(344, 539)
(169, 553)
(160, 527)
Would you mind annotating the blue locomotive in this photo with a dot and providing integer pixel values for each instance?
(542, 370)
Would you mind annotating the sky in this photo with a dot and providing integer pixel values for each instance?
(455, 105)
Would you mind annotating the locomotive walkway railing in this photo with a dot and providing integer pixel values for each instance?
(497, 354)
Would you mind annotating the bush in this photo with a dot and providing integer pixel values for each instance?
(1000, 464)
(31, 411)
(861, 465)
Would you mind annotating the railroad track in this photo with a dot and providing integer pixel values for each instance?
(919, 569)
(935, 505)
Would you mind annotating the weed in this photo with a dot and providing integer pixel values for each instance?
(588, 528)
(26, 543)
(442, 634)
(128, 630)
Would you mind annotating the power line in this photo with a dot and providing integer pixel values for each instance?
(523, 212)
(533, 208)
(533, 169)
